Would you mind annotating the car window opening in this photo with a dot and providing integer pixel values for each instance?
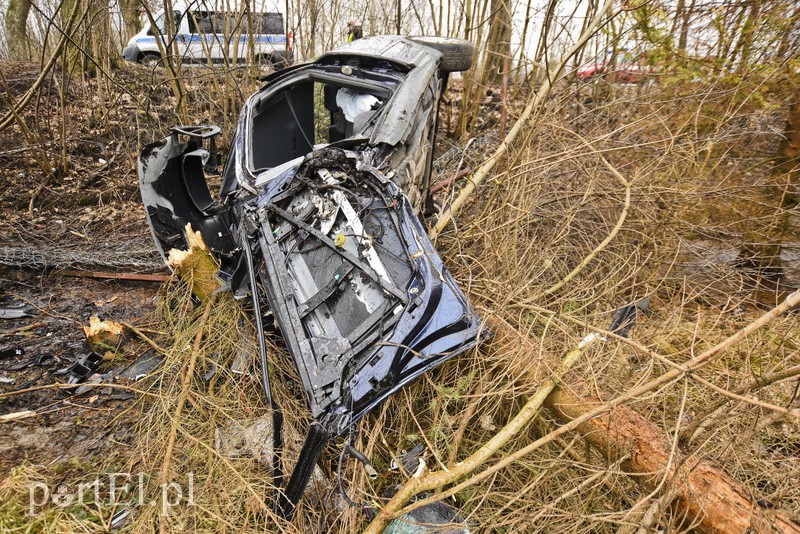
(308, 113)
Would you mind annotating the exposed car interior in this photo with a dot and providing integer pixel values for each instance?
(288, 124)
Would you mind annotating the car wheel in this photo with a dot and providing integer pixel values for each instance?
(456, 53)
(151, 60)
(263, 62)
(278, 62)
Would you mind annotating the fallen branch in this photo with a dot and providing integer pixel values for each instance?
(705, 495)
(118, 276)
(438, 186)
(534, 105)
(757, 383)
(700, 500)
(144, 337)
(72, 386)
(423, 480)
(15, 416)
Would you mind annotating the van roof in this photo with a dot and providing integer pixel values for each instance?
(258, 6)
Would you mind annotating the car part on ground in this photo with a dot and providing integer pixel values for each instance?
(316, 220)
(435, 517)
(82, 369)
(625, 317)
(14, 312)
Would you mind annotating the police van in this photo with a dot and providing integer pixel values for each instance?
(215, 32)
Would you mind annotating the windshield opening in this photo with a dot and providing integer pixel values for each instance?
(307, 113)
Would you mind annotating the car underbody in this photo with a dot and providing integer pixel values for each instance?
(321, 237)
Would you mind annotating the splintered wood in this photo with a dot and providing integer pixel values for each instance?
(103, 332)
(196, 266)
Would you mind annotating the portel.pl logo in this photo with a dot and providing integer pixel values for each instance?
(122, 489)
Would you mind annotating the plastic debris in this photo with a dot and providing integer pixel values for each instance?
(143, 366)
(14, 313)
(12, 352)
(81, 370)
(625, 317)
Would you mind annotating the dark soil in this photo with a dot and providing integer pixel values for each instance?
(73, 205)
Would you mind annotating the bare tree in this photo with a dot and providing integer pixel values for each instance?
(17, 29)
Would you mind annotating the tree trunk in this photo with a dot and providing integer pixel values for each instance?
(707, 498)
(17, 29)
(500, 38)
(749, 33)
(676, 21)
(130, 17)
(686, 17)
(788, 31)
(787, 167)
(761, 252)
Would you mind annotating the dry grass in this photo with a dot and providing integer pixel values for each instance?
(546, 209)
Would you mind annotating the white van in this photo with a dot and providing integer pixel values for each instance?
(216, 32)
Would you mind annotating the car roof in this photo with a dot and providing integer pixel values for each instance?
(396, 49)
(388, 47)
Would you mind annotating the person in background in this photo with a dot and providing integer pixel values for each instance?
(353, 31)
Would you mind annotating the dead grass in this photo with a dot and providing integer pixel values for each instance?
(549, 205)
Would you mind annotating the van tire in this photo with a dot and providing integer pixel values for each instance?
(149, 59)
(278, 62)
(263, 62)
(456, 53)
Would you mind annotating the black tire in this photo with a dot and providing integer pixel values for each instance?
(456, 53)
(278, 62)
(149, 59)
(264, 63)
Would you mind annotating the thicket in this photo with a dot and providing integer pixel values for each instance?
(683, 192)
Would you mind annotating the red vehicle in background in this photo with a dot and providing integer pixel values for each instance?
(621, 70)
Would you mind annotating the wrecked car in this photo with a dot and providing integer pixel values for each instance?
(317, 222)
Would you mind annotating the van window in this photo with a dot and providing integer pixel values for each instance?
(265, 23)
(201, 22)
(161, 23)
(271, 23)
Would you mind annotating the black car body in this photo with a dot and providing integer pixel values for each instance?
(317, 221)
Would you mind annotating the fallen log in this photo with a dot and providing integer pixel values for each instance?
(709, 499)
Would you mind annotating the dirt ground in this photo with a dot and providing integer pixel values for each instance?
(84, 216)
(68, 425)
